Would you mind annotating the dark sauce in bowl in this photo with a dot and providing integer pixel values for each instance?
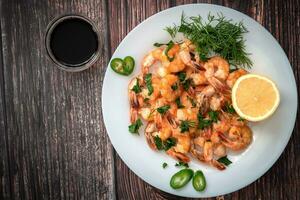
(72, 43)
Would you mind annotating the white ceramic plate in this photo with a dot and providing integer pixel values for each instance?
(270, 136)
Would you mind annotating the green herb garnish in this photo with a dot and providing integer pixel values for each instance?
(163, 109)
(178, 103)
(136, 88)
(164, 165)
(166, 145)
(181, 76)
(241, 119)
(146, 99)
(134, 128)
(156, 44)
(148, 82)
(192, 102)
(170, 45)
(186, 84)
(172, 30)
(182, 164)
(213, 115)
(217, 36)
(224, 160)
(170, 142)
(233, 69)
(229, 108)
(203, 123)
(186, 125)
(174, 86)
(158, 142)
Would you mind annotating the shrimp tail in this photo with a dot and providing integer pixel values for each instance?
(178, 156)
(217, 164)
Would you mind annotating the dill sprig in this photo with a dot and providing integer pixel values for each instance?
(216, 36)
(172, 30)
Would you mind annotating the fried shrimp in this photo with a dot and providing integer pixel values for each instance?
(186, 105)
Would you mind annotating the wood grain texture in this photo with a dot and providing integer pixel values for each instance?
(4, 164)
(53, 143)
(58, 147)
(281, 18)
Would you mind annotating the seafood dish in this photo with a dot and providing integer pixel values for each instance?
(186, 104)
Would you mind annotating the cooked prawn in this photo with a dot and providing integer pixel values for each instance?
(233, 76)
(178, 101)
(217, 67)
(238, 138)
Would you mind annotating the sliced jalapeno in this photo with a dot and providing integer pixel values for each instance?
(117, 64)
(199, 182)
(129, 64)
(181, 178)
(123, 67)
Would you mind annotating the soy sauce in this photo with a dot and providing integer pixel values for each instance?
(73, 42)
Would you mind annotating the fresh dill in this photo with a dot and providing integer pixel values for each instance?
(217, 36)
(172, 30)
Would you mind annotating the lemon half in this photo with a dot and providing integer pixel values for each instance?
(255, 97)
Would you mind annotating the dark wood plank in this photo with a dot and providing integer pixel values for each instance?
(58, 147)
(4, 169)
(281, 18)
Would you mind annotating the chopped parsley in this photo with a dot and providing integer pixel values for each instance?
(174, 86)
(164, 165)
(241, 119)
(163, 109)
(134, 128)
(158, 142)
(192, 102)
(146, 99)
(148, 82)
(229, 108)
(186, 125)
(181, 76)
(213, 115)
(170, 45)
(182, 164)
(203, 123)
(186, 84)
(170, 142)
(224, 160)
(178, 103)
(164, 145)
(136, 88)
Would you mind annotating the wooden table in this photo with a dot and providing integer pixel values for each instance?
(53, 143)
